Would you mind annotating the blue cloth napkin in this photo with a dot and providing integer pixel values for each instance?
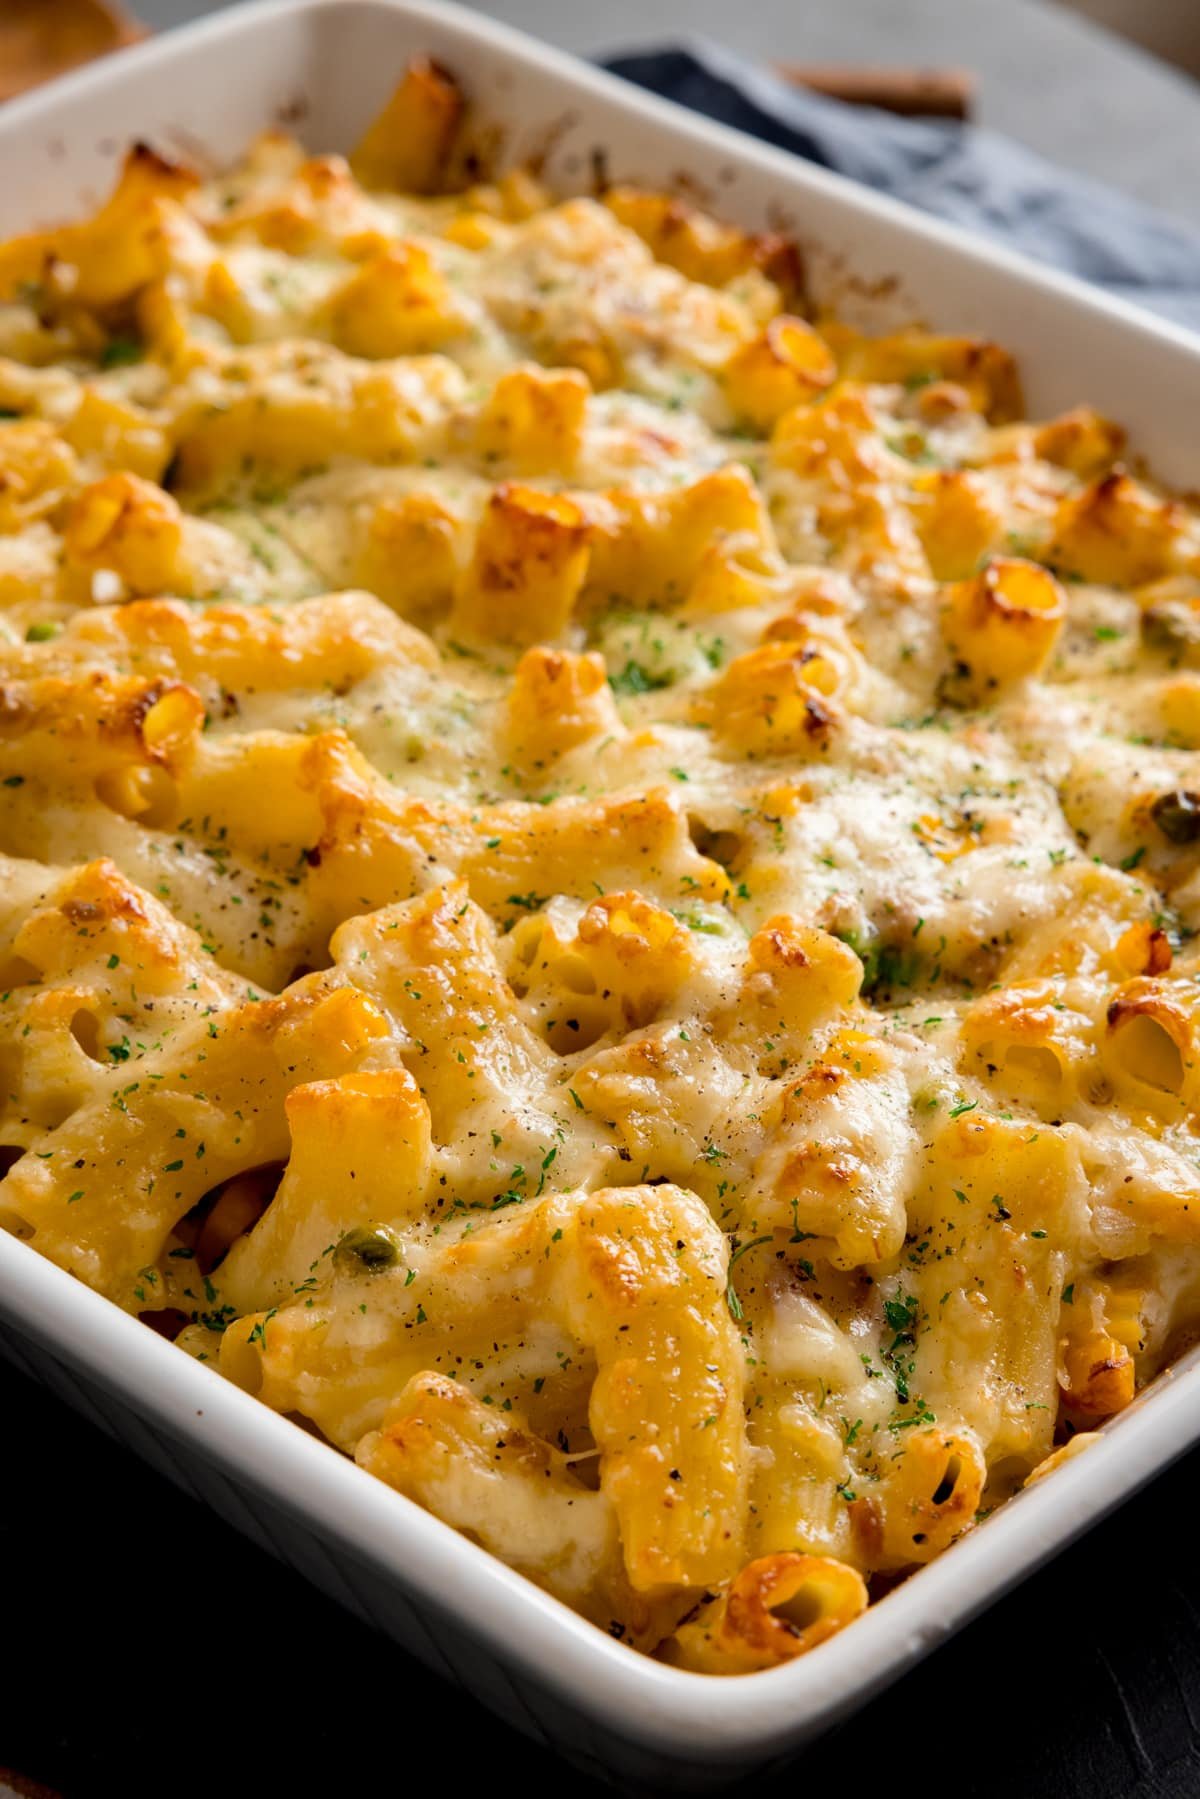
(960, 172)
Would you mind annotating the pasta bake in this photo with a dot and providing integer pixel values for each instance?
(600, 871)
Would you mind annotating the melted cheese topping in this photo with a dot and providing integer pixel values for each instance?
(599, 874)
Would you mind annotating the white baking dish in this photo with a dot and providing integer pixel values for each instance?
(325, 66)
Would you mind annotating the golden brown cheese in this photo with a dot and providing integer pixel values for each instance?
(598, 873)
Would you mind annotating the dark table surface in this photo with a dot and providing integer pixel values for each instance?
(149, 1651)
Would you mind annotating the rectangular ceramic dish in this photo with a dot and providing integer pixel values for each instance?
(324, 67)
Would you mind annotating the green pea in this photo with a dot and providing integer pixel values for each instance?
(120, 352)
(367, 1250)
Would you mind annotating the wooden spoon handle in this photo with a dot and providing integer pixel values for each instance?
(932, 93)
(46, 39)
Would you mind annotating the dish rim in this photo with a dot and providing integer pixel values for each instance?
(669, 1710)
(655, 1705)
(576, 72)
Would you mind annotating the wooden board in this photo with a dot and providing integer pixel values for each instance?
(43, 38)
